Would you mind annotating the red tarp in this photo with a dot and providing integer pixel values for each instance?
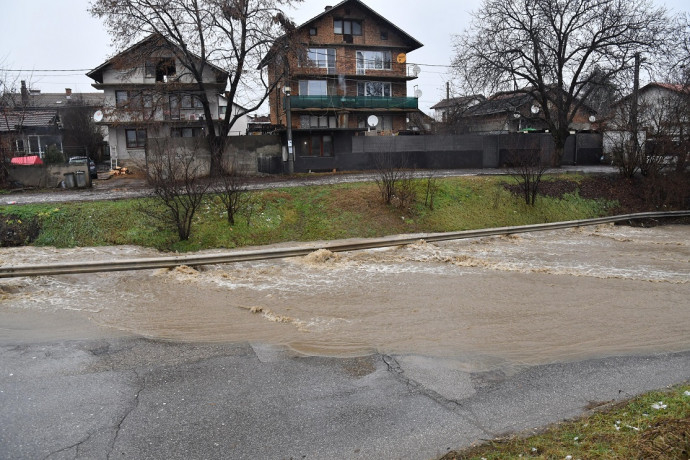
(29, 160)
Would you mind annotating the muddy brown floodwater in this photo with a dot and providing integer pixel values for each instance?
(502, 301)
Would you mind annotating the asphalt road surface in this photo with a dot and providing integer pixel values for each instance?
(136, 398)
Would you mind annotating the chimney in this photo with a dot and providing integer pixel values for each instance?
(328, 8)
(25, 94)
(68, 92)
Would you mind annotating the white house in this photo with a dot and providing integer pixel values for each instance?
(663, 111)
(150, 94)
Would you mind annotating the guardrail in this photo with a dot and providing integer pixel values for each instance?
(266, 254)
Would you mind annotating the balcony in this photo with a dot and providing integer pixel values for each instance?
(353, 102)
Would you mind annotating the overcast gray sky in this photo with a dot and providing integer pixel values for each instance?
(45, 36)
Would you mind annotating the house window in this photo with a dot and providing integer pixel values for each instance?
(34, 145)
(19, 144)
(174, 106)
(147, 99)
(384, 35)
(186, 132)
(136, 138)
(150, 69)
(316, 145)
(313, 31)
(160, 69)
(347, 27)
(317, 121)
(313, 88)
(323, 58)
(191, 102)
(373, 60)
(121, 98)
(374, 89)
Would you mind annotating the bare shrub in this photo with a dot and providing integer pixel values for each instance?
(527, 168)
(173, 172)
(667, 191)
(394, 178)
(431, 187)
(231, 186)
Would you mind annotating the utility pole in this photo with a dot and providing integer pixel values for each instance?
(291, 154)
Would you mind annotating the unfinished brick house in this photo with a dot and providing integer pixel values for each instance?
(350, 79)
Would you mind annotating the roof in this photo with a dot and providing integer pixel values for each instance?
(668, 86)
(456, 101)
(54, 100)
(97, 73)
(509, 101)
(649, 86)
(501, 103)
(10, 120)
(414, 44)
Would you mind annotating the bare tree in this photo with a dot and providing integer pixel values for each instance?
(233, 35)
(79, 128)
(12, 113)
(661, 124)
(527, 167)
(553, 49)
(231, 187)
(394, 177)
(174, 174)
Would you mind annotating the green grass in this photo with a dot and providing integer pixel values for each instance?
(635, 429)
(302, 214)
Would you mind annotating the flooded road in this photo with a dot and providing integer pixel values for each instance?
(527, 299)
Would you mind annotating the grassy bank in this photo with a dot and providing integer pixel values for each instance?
(295, 214)
(653, 426)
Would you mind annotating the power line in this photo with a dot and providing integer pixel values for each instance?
(45, 70)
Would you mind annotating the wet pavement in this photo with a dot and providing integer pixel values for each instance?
(144, 399)
(121, 187)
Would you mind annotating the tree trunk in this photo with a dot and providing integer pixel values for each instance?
(216, 145)
(559, 138)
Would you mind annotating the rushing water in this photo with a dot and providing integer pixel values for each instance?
(522, 299)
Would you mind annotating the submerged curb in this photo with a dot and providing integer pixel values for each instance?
(266, 254)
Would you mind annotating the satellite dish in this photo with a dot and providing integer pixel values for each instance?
(592, 118)
(416, 70)
(373, 121)
(535, 109)
(402, 58)
(418, 93)
(98, 116)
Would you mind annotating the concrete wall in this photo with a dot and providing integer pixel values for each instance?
(46, 176)
(254, 151)
(251, 152)
(264, 154)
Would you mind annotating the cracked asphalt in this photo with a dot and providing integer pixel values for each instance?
(137, 398)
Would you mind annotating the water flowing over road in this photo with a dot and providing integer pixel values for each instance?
(506, 302)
